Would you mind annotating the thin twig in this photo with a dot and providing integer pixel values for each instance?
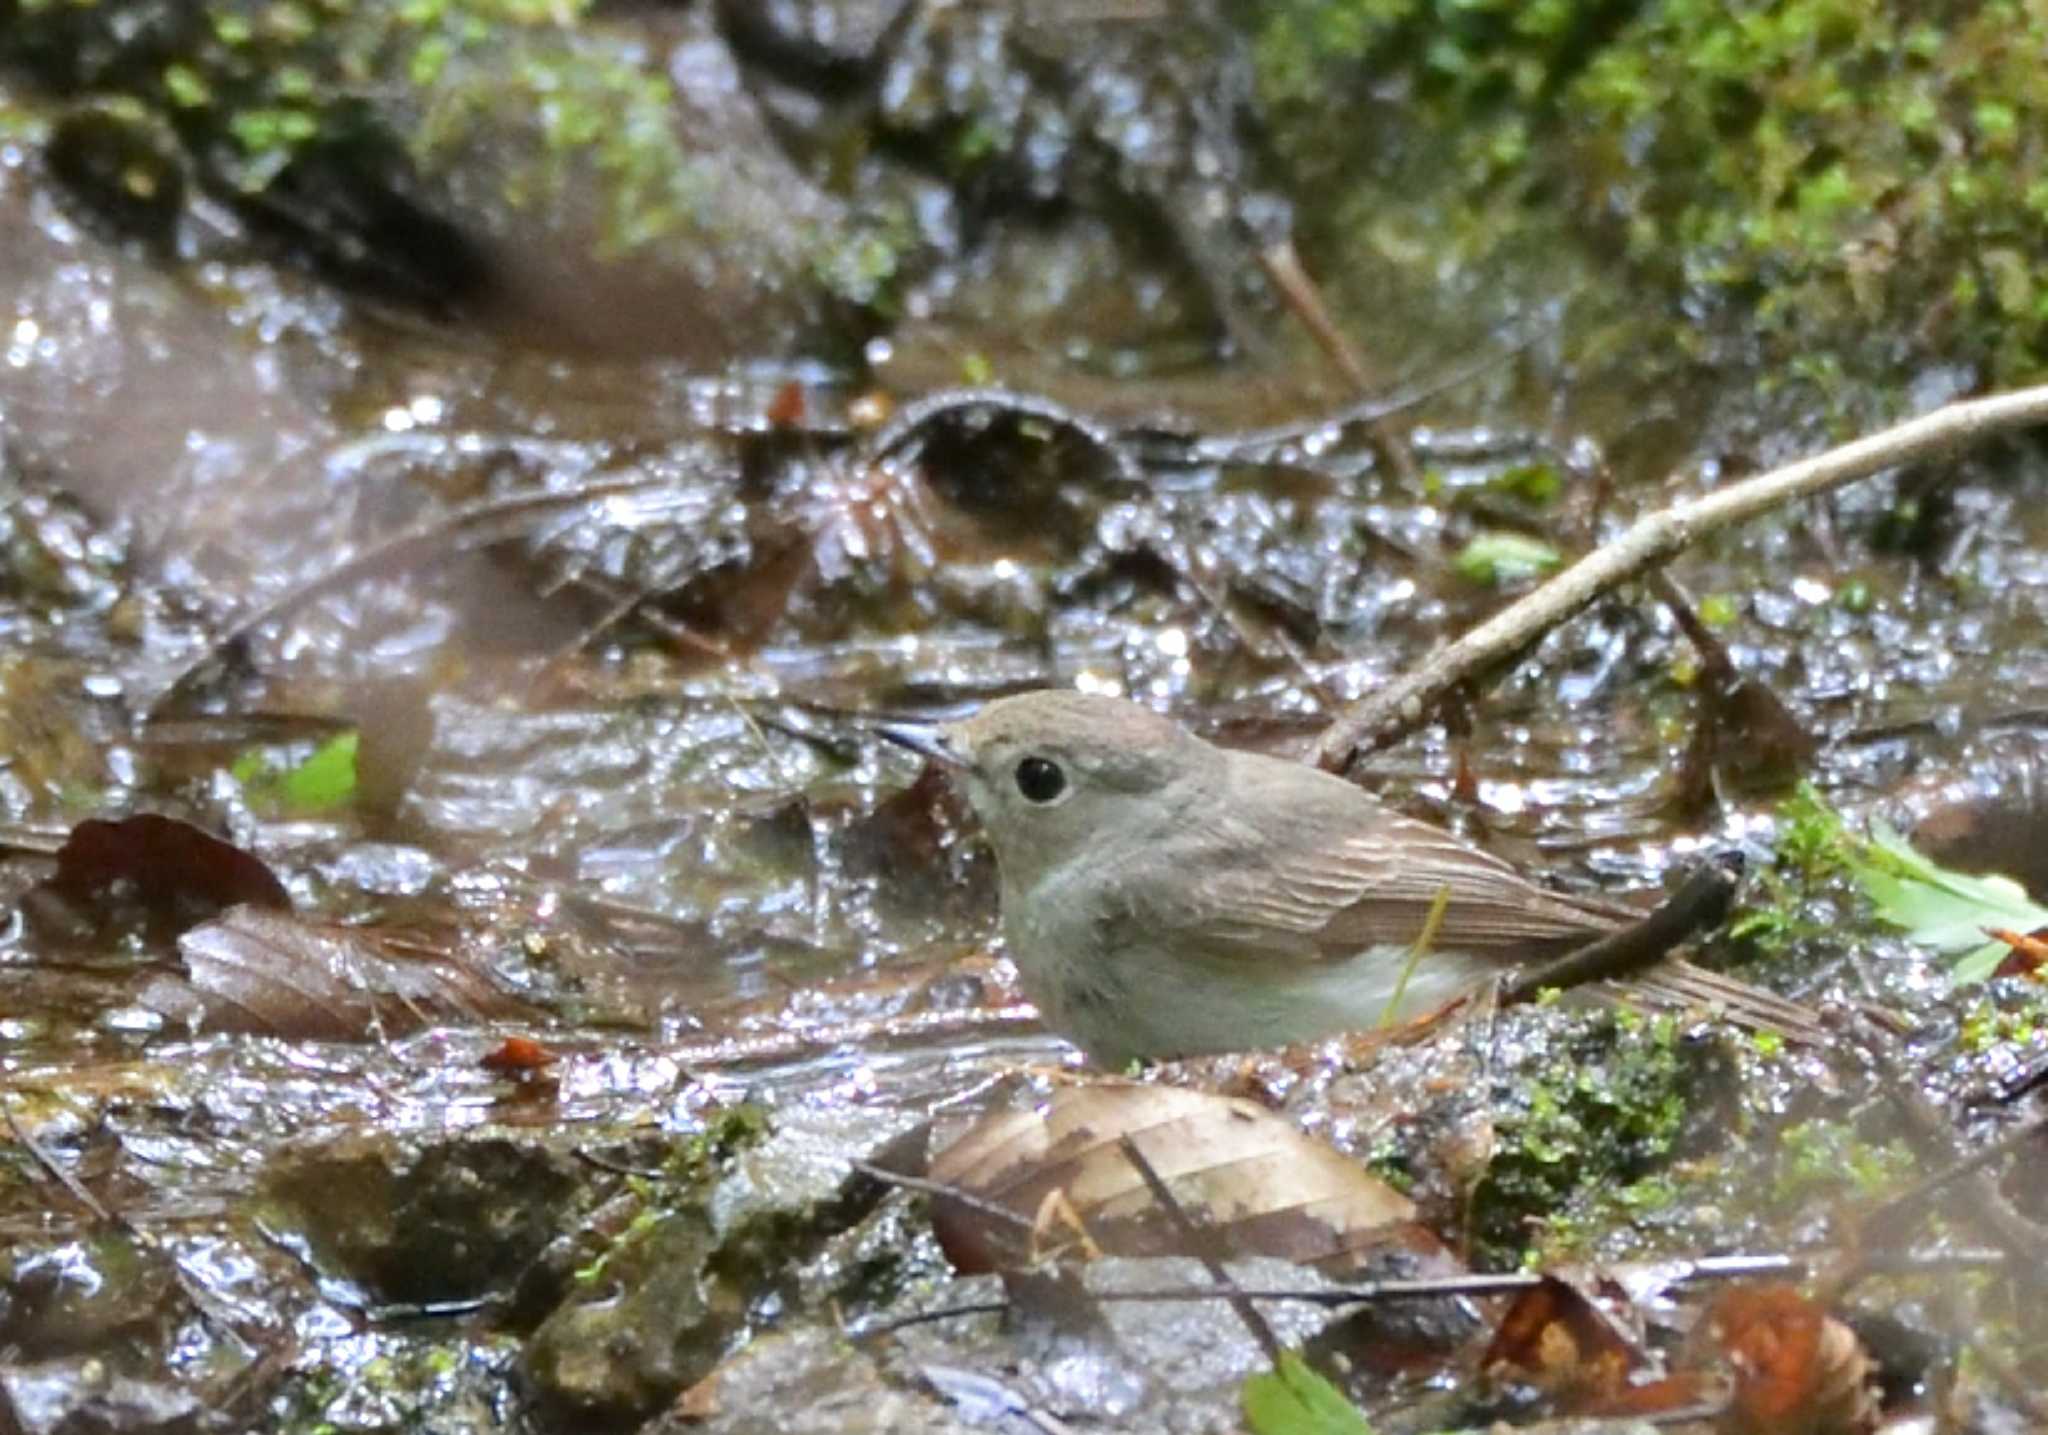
(61, 1176)
(1304, 299)
(1201, 1243)
(1671, 1274)
(1978, 1200)
(980, 1205)
(1400, 706)
(1904, 1201)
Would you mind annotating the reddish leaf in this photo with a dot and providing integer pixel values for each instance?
(518, 1055)
(1798, 1371)
(787, 408)
(177, 870)
(1558, 1336)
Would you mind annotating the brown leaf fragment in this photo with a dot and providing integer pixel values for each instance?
(178, 871)
(1798, 1370)
(1264, 1187)
(698, 1402)
(2029, 952)
(1559, 1337)
(517, 1056)
(787, 409)
(262, 971)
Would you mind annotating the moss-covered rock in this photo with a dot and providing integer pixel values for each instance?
(745, 1233)
(1808, 191)
(460, 154)
(1605, 1104)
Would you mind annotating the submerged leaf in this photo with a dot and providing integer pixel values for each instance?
(271, 972)
(1948, 911)
(1494, 558)
(177, 870)
(1796, 1367)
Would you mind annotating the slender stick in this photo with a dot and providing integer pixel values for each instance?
(1377, 719)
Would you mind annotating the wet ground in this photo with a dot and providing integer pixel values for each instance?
(541, 670)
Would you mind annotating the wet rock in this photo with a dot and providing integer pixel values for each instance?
(84, 1396)
(420, 1223)
(1144, 122)
(698, 1268)
(584, 186)
(83, 1296)
(123, 163)
(1168, 1365)
(809, 1381)
(646, 1322)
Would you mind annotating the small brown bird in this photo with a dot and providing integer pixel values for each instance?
(1165, 897)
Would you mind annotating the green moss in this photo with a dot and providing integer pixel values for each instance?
(2016, 1015)
(731, 1131)
(1583, 1137)
(277, 79)
(1811, 855)
(1826, 178)
(1826, 1160)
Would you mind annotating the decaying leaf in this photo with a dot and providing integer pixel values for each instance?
(179, 872)
(1798, 1370)
(256, 970)
(1568, 1338)
(1264, 1187)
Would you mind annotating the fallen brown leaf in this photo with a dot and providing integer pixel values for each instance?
(256, 970)
(1264, 1187)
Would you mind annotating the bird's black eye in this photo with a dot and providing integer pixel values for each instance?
(1040, 780)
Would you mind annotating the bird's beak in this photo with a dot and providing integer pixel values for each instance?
(926, 739)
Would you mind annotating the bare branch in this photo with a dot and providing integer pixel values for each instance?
(1384, 715)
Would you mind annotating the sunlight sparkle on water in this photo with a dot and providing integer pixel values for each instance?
(1505, 797)
(23, 343)
(1097, 683)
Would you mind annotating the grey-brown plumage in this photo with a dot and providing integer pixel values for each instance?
(1166, 897)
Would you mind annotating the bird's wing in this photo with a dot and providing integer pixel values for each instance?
(1368, 878)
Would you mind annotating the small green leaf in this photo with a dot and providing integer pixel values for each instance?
(1717, 610)
(187, 89)
(1291, 1399)
(1945, 910)
(1505, 558)
(324, 781)
(1537, 483)
(251, 768)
